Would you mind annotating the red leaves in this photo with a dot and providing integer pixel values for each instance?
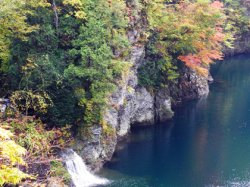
(217, 5)
(200, 61)
(190, 59)
(208, 44)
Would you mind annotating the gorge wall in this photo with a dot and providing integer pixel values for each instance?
(242, 40)
(133, 104)
(241, 45)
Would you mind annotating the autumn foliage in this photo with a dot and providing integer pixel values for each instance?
(10, 157)
(25, 142)
(208, 44)
(191, 31)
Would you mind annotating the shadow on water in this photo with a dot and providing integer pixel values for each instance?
(206, 144)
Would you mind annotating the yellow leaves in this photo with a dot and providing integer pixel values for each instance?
(74, 3)
(38, 141)
(11, 175)
(13, 18)
(30, 65)
(9, 149)
(108, 130)
(13, 152)
(37, 3)
(229, 40)
(78, 6)
(13, 24)
(5, 134)
(80, 15)
(10, 156)
(89, 106)
(28, 99)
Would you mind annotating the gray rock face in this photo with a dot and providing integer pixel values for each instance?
(194, 86)
(163, 105)
(133, 105)
(139, 109)
(95, 147)
(242, 42)
(129, 105)
(241, 45)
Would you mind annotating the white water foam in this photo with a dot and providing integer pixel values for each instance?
(233, 184)
(80, 175)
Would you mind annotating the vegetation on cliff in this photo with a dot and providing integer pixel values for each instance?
(189, 32)
(28, 146)
(10, 155)
(60, 60)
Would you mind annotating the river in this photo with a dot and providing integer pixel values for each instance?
(207, 144)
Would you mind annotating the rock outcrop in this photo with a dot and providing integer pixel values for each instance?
(242, 41)
(241, 45)
(134, 105)
(193, 86)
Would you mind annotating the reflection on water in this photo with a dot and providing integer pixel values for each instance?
(207, 143)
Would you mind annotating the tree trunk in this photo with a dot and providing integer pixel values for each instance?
(56, 19)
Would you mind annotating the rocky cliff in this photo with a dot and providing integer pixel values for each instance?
(241, 45)
(134, 105)
(242, 40)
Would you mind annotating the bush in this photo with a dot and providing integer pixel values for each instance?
(57, 169)
(10, 157)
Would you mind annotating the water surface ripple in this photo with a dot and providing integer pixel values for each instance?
(207, 144)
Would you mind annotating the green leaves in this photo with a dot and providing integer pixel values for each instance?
(102, 33)
(13, 25)
(191, 31)
(77, 62)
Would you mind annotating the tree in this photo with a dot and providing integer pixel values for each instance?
(95, 66)
(193, 32)
(14, 24)
(209, 35)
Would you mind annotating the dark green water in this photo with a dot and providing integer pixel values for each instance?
(207, 143)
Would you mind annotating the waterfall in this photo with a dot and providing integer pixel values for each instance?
(80, 175)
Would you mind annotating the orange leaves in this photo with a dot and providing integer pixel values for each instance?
(209, 37)
(192, 30)
(217, 5)
(190, 60)
(209, 48)
(193, 61)
(200, 62)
